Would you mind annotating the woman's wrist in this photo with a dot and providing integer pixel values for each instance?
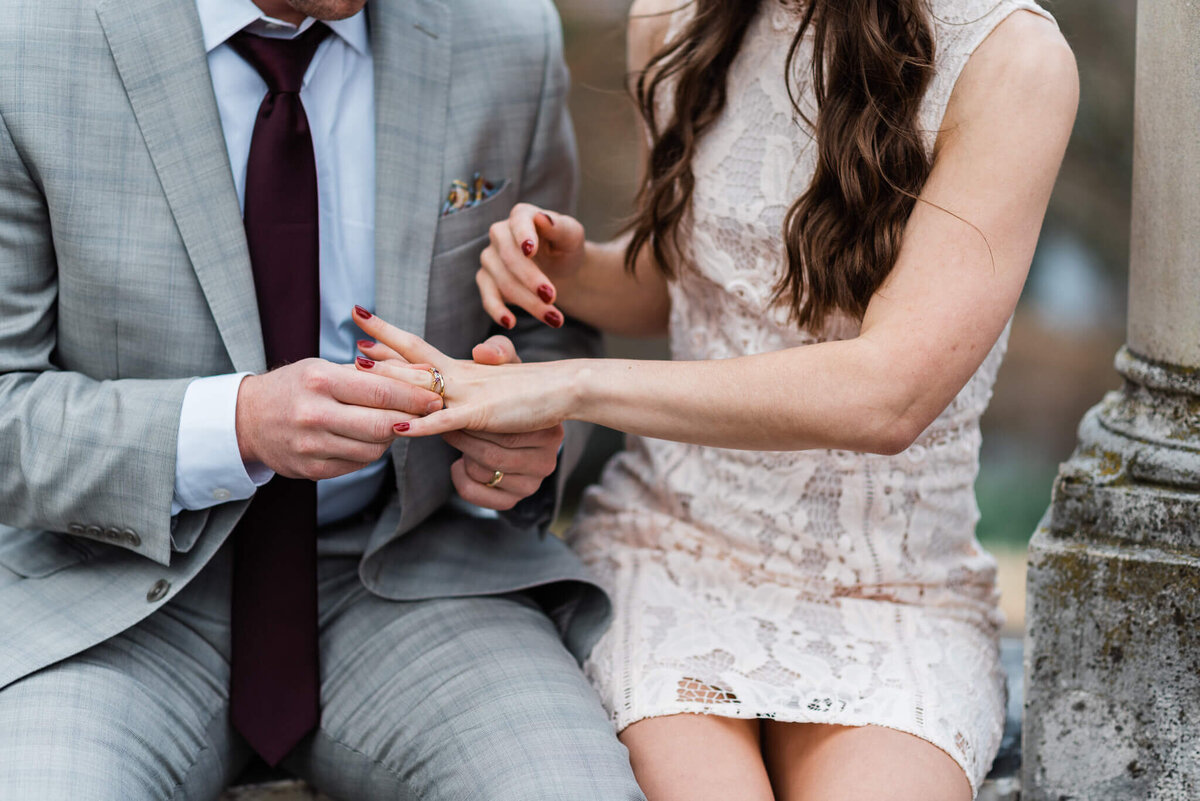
(581, 387)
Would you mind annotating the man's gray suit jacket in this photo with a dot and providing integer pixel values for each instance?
(124, 274)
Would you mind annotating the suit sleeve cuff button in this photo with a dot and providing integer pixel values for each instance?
(158, 591)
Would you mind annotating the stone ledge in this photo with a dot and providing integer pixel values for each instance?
(283, 790)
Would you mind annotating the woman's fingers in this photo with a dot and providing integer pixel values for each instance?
(367, 425)
(377, 351)
(513, 291)
(519, 247)
(516, 256)
(411, 347)
(557, 233)
(453, 419)
(376, 392)
(414, 375)
(493, 300)
(522, 228)
(518, 240)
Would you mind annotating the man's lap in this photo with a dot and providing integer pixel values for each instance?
(451, 698)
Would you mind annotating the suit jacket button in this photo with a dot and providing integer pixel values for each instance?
(76, 528)
(95, 532)
(158, 591)
(131, 537)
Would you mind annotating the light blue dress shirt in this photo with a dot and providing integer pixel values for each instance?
(338, 97)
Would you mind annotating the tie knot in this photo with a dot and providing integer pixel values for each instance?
(280, 62)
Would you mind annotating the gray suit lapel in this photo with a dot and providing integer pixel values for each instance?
(410, 44)
(159, 53)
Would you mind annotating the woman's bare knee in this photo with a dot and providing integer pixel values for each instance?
(811, 762)
(697, 758)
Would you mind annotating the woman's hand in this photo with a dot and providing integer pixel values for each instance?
(531, 256)
(506, 405)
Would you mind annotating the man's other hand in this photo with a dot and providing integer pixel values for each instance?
(524, 459)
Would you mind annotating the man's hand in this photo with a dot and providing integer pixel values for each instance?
(314, 419)
(525, 459)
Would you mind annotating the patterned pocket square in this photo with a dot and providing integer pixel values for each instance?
(464, 195)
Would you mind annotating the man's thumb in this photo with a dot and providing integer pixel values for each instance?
(498, 349)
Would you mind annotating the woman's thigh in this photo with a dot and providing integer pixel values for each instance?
(811, 762)
(697, 757)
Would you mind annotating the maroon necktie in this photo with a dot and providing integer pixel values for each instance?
(274, 689)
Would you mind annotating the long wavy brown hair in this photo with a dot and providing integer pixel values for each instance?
(872, 61)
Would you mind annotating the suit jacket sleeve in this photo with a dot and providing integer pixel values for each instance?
(550, 180)
(77, 455)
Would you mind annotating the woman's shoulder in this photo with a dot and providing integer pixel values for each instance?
(1022, 67)
(960, 26)
(650, 23)
(989, 50)
(1021, 50)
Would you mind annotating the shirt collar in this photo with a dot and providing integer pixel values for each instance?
(220, 19)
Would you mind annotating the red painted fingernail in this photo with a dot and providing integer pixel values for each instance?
(366, 364)
(363, 344)
(400, 428)
(553, 318)
(546, 293)
(527, 247)
(507, 321)
(549, 219)
(363, 313)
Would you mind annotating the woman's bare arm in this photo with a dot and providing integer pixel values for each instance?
(925, 331)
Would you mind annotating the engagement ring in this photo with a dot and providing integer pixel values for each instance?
(438, 384)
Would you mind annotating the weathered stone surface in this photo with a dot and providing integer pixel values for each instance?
(1112, 695)
(1103, 493)
(1112, 692)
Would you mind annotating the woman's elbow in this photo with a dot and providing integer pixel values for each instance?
(896, 432)
(895, 441)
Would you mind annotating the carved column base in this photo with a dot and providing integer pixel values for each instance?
(1112, 644)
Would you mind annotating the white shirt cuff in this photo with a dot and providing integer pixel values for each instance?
(208, 464)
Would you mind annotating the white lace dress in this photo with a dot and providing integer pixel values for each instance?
(815, 586)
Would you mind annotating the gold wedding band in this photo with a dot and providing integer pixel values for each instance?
(437, 383)
(497, 477)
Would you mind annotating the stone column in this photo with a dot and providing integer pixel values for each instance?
(1112, 648)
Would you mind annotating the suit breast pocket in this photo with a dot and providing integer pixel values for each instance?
(37, 554)
(462, 226)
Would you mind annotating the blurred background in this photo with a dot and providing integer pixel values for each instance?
(1072, 315)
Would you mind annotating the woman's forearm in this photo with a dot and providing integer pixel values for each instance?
(603, 294)
(830, 395)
